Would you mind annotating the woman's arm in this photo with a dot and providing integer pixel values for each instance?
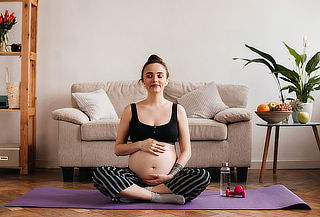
(121, 147)
(184, 137)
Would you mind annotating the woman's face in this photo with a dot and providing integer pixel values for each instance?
(155, 77)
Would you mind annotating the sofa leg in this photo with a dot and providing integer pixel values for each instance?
(232, 174)
(242, 173)
(214, 173)
(67, 173)
(85, 174)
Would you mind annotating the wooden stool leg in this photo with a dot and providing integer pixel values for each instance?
(265, 153)
(275, 155)
(316, 135)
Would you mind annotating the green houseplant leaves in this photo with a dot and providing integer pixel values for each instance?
(302, 80)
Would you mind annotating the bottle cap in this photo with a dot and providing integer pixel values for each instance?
(225, 164)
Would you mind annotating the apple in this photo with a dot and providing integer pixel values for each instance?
(272, 105)
(303, 117)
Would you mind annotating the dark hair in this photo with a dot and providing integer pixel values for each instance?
(151, 60)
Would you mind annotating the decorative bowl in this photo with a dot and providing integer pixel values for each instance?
(274, 117)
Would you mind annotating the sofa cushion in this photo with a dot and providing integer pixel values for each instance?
(95, 104)
(70, 115)
(121, 93)
(207, 129)
(204, 102)
(233, 95)
(200, 129)
(104, 129)
(232, 115)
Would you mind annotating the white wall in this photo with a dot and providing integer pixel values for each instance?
(99, 40)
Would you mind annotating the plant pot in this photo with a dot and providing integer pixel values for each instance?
(306, 107)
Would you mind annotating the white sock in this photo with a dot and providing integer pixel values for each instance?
(167, 198)
(133, 200)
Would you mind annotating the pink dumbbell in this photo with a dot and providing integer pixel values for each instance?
(237, 191)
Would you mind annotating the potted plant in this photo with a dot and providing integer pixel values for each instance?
(302, 80)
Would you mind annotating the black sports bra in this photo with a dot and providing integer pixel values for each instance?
(167, 133)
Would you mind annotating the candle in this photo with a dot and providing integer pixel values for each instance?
(7, 75)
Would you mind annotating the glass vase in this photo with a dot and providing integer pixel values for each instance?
(3, 40)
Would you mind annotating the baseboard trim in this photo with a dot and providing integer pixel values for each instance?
(287, 164)
(255, 164)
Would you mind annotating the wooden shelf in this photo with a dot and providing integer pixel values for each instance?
(9, 110)
(11, 0)
(33, 2)
(10, 53)
(27, 110)
(31, 111)
(33, 55)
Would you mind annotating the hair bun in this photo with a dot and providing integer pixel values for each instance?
(154, 58)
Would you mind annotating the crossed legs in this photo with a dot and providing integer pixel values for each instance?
(122, 182)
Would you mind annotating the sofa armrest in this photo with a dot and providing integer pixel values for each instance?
(232, 115)
(70, 115)
(240, 143)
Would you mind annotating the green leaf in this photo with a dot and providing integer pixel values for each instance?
(310, 97)
(263, 61)
(285, 79)
(259, 60)
(291, 75)
(295, 83)
(290, 88)
(279, 67)
(263, 54)
(315, 80)
(312, 63)
(315, 69)
(294, 54)
(284, 88)
(312, 82)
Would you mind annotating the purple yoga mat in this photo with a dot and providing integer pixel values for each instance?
(272, 197)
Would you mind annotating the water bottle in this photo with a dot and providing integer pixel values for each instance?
(225, 178)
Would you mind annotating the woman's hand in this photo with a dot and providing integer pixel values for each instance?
(157, 179)
(153, 146)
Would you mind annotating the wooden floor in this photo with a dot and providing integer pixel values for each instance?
(304, 183)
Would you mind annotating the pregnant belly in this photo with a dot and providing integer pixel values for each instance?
(143, 163)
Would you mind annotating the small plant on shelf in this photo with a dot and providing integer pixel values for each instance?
(6, 23)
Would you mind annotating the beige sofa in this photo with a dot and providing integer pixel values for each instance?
(87, 144)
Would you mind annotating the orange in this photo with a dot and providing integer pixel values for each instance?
(263, 107)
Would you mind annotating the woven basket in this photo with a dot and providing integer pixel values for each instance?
(13, 90)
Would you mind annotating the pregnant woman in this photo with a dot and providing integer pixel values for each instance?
(155, 172)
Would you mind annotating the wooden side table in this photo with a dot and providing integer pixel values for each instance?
(267, 140)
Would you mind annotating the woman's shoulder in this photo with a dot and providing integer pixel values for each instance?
(181, 111)
(180, 108)
(127, 111)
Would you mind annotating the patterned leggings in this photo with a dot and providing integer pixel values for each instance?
(189, 182)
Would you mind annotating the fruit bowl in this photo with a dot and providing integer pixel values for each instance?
(273, 117)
